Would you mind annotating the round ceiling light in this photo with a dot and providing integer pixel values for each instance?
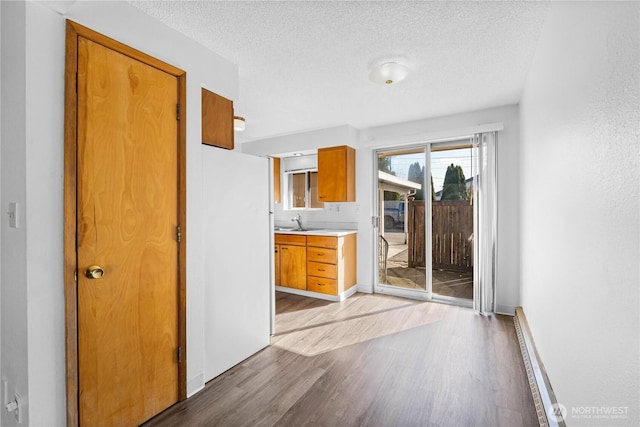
(238, 123)
(388, 73)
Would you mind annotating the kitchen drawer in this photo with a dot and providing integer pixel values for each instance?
(329, 256)
(322, 285)
(290, 239)
(323, 241)
(322, 270)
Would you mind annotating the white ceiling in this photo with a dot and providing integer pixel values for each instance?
(305, 65)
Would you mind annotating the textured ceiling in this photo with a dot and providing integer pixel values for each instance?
(305, 65)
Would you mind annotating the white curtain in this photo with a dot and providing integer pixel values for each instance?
(485, 224)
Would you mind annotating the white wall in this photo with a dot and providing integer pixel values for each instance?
(32, 350)
(360, 212)
(43, 223)
(0, 199)
(14, 241)
(580, 205)
(339, 135)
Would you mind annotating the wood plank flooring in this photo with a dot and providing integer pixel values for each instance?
(372, 360)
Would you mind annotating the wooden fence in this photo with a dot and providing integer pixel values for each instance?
(452, 235)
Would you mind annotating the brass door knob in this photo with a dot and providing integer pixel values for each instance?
(94, 272)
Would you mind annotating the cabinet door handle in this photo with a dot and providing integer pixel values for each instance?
(285, 249)
(321, 269)
(320, 254)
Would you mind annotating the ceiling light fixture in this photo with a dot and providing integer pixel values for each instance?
(238, 123)
(388, 73)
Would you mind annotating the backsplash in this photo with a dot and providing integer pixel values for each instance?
(339, 216)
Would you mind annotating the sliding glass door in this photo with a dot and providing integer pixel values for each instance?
(452, 221)
(401, 187)
(436, 221)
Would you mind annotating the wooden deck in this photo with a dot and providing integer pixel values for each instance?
(444, 283)
(372, 360)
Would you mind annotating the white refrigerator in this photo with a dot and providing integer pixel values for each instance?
(237, 239)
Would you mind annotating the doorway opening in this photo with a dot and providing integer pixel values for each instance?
(428, 221)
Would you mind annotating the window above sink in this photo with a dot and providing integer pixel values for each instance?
(300, 182)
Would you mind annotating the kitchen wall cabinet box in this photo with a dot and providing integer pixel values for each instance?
(291, 261)
(276, 181)
(217, 120)
(337, 174)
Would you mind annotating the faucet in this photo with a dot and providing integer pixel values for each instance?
(297, 219)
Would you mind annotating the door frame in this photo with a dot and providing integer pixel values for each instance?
(385, 288)
(73, 31)
(442, 146)
(427, 294)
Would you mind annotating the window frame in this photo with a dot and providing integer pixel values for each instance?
(288, 190)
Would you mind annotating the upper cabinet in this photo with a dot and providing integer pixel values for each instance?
(337, 174)
(217, 120)
(277, 198)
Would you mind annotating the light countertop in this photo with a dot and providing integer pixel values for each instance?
(314, 232)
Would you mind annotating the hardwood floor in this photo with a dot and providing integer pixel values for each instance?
(372, 360)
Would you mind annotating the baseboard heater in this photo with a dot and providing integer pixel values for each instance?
(547, 408)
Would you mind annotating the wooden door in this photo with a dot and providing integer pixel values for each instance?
(293, 266)
(127, 216)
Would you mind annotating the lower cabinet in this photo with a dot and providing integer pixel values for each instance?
(323, 264)
(322, 285)
(291, 261)
(293, 272)
(331, 263)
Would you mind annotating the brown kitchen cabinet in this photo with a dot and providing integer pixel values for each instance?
(291, 259)
(277, 198)
(323, 264)
(337, 174)
(331, 263)
(217, 120)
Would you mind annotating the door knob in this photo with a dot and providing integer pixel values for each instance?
(94, 272)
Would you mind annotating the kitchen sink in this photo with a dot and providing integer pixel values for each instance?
(295, 229)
